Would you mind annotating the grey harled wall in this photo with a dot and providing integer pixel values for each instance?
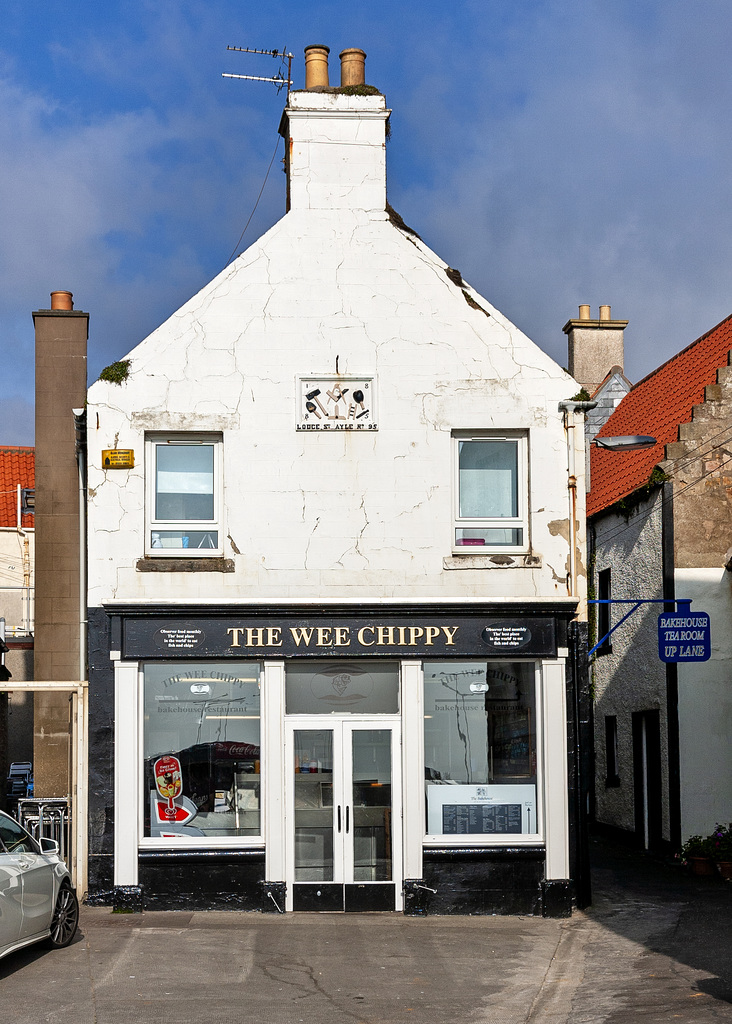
(631, 677)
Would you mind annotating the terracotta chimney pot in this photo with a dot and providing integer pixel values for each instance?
(353, 70)
(584, 312)
(62, 300)
(316, 66)
(605, 313)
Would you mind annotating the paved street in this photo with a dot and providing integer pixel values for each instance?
(656, 946)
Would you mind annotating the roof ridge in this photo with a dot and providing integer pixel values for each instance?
(656, 405)
(682, 352)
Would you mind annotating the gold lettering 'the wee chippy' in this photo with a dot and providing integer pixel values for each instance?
(340, 636)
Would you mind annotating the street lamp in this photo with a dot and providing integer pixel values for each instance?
(625, 443)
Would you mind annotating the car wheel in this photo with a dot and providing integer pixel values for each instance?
(65, 918)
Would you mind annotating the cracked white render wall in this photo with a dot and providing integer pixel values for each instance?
(337, 516)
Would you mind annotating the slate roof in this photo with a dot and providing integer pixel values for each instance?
(17, 466)
(656, 406)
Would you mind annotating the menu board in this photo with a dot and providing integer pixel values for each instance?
(481, 819)
(481, 810)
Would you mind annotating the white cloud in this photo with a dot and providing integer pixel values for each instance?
(591, 168)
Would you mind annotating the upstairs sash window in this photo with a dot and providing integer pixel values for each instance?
(491, 493)
(184, 496)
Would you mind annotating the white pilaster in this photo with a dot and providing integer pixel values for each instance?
(413, 762)
(273, 769)
(127, 772)
(556, 798)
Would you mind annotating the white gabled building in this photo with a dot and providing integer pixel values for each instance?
(336, 573)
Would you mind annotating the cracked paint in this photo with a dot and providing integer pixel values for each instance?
(559, 528)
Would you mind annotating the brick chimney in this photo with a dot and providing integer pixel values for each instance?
(595, 346)
(335, 138)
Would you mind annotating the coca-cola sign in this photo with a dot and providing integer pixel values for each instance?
(231, 751)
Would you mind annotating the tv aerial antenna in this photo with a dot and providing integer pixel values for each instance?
(278, 79)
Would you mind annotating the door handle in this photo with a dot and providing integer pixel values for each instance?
(339, 817)
(348, 811)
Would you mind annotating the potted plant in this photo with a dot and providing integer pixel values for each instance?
(721, 849)
(697, 854)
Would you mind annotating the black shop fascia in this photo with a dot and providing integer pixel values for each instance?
(283, 633)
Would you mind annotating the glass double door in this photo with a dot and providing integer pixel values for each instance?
(344, 814)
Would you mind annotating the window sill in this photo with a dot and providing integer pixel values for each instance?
(199, 848)
(442, 845)
(495, 561)
(151, 564)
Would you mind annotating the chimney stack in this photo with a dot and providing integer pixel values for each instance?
(353, 67)
(316, 67)
(61, 337)
(595, 346)
(335, 157)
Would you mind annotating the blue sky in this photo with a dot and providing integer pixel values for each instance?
(555, 151)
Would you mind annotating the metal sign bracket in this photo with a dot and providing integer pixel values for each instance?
(683, 606)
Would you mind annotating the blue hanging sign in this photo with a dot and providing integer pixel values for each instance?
(684, 635)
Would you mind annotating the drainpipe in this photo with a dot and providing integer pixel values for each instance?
(26, 601)
(570, 409)
(80, 439)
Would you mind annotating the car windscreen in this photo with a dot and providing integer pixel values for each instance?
(15, 839)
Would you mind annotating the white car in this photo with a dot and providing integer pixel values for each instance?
(37, 901)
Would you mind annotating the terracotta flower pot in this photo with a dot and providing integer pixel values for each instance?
(724, 867)
(701, 865)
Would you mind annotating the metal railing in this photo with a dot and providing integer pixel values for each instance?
(49, 818)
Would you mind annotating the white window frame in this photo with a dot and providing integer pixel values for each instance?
(152, 441)
(131, 799)
(519, 522)
(537, 838)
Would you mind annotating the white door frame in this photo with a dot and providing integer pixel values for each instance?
(78, 786)
(343, 728)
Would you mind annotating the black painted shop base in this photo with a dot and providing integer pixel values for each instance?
(455, 882)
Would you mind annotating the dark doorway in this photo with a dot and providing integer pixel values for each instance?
(647, 779)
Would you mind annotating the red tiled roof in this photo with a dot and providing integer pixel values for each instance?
(17, 466)
(656, 406)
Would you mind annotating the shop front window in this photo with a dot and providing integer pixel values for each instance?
(342, 687)
(202, 749)
(480, 749)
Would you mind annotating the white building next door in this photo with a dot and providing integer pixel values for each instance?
(343, 814)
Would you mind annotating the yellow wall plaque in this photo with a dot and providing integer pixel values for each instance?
(118, 458)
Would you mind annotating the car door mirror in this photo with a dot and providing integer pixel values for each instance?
(48, 845)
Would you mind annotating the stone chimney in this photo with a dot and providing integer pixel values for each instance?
(61, 337)
(335, 138)
(595, 346)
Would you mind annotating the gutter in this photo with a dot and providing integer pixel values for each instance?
(26, 564)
